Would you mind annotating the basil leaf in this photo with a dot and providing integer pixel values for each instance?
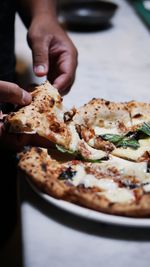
(113, 138)
(64, 150)
(121, 141)
(93, 160)
(126, 142)
(145, 128)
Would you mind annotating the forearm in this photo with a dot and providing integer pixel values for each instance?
(30, 9)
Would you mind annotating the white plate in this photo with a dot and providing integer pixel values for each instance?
(91, 214)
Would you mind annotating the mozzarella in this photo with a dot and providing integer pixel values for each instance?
(92, 153)
(79, 176)
(120, 195)
(129, 168)
(89, 180)
(59, 112)
(133, 154)
(75, 138)
(102, 130)
(147, 188)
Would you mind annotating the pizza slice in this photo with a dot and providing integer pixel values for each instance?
(115, 186)
(114, 128)
(45, 117)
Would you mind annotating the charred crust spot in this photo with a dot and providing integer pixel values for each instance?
(52, 102)
(38, 150)
(107, 103)
(44, 167)
(137, 116)
(78, 129)
(69, 115)
(55, 127)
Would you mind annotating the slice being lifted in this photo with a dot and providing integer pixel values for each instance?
(45, 116)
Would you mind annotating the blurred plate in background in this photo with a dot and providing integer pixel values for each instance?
(87, 15)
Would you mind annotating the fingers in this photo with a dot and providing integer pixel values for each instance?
(63, 83)
(12, 93)
(53, 52)
(67, 67)
(40, 53)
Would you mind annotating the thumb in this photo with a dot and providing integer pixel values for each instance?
(12, 93)
(40, 54)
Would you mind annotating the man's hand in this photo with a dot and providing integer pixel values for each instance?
(53, 52)
(12, 93)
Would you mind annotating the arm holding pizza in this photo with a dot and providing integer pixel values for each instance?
(53, 52)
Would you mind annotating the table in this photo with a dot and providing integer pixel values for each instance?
(115, 65)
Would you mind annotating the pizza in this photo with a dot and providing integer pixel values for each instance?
(101, 158)
(114, 186)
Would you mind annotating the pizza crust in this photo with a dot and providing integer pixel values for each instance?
(139, 112)
(103, 114)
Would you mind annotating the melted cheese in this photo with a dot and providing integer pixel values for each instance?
(109, 188)
(102, 130)
(59, 112)
(79, 176)
(74, 138)
(146, 188)
(137, 121)
(89, 180)
(129, 168)
(120, 195)
(133, 154)
(53, 92)
(92, 153)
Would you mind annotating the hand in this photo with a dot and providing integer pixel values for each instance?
(11, 93)
(53, 52)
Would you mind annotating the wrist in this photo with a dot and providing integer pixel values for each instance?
(50, 18)
(44, 7)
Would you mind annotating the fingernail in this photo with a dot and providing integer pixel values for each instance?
(39, 69)
(26, 98)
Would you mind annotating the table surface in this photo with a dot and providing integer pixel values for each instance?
(115, 65)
